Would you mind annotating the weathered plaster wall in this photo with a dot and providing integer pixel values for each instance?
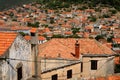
(48, 64)
(62, 73)
(102, 67)
(20, 49)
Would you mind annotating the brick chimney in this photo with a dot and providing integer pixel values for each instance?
(77, 53)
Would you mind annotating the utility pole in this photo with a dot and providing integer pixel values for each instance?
(34, 41)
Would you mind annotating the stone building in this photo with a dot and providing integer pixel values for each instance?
(15, 54)
(70, 59)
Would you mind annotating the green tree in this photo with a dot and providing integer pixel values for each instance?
(36, 24)
(58, 36)
(22, 33)
(99, 37)
(74, 36)
(109, 39)
(75, 30)
(92, 18)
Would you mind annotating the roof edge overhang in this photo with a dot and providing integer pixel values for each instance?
(98, 55)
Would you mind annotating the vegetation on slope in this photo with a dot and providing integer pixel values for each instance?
(91, 3)
(6, 4)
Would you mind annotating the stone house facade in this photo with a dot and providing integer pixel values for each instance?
(16, 54)
(68, 59)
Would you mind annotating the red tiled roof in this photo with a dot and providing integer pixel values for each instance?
(42, 38)
(68, 33)
(46, 30)
(65, 47)
(33, 30)
(114, 77)
(6, 39)
(109, 45)
(117, 40)
(86, 35)
(27, 37)
(110, 77)
(88, 27)
(2, 22)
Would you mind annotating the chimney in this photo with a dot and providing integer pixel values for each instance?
(77, 53)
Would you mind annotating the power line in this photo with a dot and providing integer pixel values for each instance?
(11, 66)
(81, 72)
(53, 62)
(47, 61)
(35, 61)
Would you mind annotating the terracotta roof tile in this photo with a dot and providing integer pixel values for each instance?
(117, 40)
(33, 30)
(114, 77)
(65, 47)
(42, 38)
(109, 77)
(46, 30)
(68, 33)
(27, 37)
(6, 39)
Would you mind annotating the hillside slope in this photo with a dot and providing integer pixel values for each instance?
(5, 4)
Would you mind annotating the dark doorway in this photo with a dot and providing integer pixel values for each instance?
(19, 73)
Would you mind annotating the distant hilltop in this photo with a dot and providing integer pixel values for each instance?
(6, 4)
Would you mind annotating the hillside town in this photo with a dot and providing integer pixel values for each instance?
(37, 43)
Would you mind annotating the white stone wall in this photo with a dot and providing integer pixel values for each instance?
(62, 73)
(20, 49)
(102, 67)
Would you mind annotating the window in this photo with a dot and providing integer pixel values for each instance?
(81, 66)
(69, 74)
(32, 34)
(93, 64)
(55, 77)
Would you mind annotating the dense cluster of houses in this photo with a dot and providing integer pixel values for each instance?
(83, 58)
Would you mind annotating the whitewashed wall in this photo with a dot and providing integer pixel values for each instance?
(20, 49)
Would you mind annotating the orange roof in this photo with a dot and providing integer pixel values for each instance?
(88, 27)
(6, 39)
(117, 40)
(2, 22)
(114, 77)
(86, 35)
(68, 32)
(33, 30)
(110, 77)
(66, 26)
(41, 38)
(65, 47)
(109, 45)
(46, 30)
(104, 27)
(27, 37)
